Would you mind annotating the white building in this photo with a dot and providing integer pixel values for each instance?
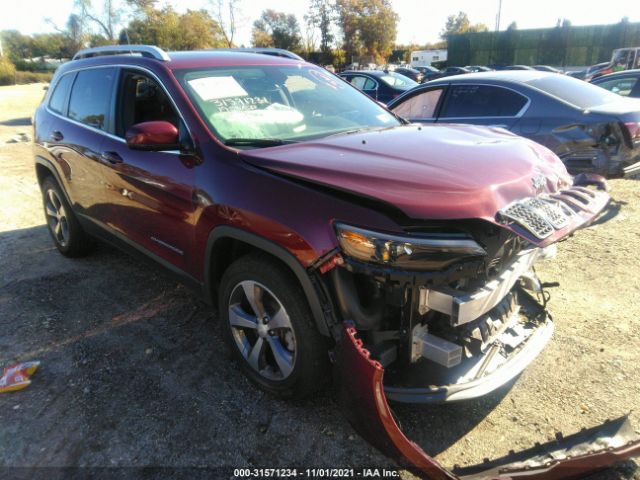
(424, 58)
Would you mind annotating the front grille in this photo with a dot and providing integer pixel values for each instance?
(543, 214)
(552, 212)
(530, 218)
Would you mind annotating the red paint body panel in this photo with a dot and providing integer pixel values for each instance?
(152, 133)
(432, 172)
(361, 390)
(359, 380)
(429, 172)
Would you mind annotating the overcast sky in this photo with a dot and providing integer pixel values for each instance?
(420, 20)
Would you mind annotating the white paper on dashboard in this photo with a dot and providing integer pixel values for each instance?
(212, 88)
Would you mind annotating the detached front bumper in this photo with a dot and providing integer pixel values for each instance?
(362, 396)
(469, 387)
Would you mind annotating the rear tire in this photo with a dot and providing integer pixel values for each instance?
(269, 327)
(65, 230)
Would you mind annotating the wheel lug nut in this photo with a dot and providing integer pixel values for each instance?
(272, 332)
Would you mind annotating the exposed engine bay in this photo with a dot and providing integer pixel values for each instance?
(456, 336)
(471, 322)
(454, 310)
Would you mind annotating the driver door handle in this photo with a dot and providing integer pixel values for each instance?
(111, 157)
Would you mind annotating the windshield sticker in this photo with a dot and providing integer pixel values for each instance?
(213, 88)
(239, 104)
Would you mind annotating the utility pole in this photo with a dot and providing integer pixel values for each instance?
(498, 15)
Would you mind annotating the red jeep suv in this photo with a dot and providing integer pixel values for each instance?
(325, 228)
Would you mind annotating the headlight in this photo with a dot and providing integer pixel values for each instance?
(425, 252)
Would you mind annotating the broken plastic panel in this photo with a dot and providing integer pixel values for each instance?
(359, 380)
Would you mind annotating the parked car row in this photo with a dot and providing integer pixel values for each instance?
(590, 129)
(335, 237)
(427, 73)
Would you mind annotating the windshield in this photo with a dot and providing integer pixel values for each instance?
(396, 80)
(278, 104)
(576, 92)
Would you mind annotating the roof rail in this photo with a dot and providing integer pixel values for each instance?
(276, 52)
(148, 51)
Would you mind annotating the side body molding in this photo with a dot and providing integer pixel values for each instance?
(226, 231)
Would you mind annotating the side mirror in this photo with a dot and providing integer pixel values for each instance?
(153, 136)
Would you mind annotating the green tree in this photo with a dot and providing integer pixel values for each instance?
(199, 31)
(277, 29)
(170, 30)
(16, 45)
(460, 23)
(368, 27)
(49, 45)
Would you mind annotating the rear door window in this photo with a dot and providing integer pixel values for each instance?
(58, 101)
(90, 101)
(363, 83)
(468, 101)
(422, 105)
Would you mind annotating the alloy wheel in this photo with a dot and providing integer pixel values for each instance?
(262, 330)
(57, 217)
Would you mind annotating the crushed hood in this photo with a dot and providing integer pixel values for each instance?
(428, 172)
(446, 172)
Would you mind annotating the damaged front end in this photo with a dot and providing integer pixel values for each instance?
(452, 311)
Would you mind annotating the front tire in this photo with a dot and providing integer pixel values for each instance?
(64, 228)
(270, 329)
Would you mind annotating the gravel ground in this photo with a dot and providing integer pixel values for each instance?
(135, 373)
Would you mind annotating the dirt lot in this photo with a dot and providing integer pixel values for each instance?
(135, 373)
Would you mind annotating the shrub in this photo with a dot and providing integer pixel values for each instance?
(32, 77)
(7, 71)
(25, 66)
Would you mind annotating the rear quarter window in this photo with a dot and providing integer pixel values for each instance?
(573, 91)
(621, 86)
(482, 101)
(90, 101)
(58, 101)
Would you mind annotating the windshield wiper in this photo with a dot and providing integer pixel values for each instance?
(256, 142)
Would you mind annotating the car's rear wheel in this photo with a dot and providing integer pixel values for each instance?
(65, 230)
(270, 329)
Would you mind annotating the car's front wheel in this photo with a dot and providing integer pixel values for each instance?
(65, 230)
(270, 329)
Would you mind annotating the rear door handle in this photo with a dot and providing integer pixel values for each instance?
(56, 136)
(111, 157)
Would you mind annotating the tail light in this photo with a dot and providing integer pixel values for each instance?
(633, 128)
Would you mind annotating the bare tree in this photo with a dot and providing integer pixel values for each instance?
(107, 21)
(226, 13)
(309, 38)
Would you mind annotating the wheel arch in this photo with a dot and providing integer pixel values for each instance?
(44, 169)
(225, 240)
